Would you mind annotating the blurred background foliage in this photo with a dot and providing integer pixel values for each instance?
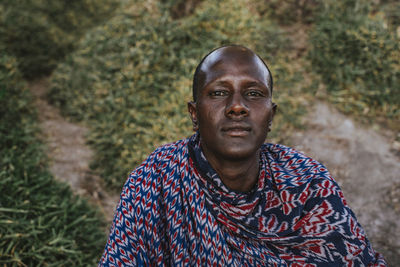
(124, 68)
(288, 12)
(130, 78)
(39, 33)
(356, 52)
(41, 222)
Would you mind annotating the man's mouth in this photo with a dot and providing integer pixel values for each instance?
(236, 130)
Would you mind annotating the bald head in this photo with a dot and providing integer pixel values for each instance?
(232, 55)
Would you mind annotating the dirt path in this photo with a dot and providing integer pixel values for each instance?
(366, 165)
(69, 154)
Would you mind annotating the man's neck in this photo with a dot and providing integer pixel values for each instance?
(239, 175)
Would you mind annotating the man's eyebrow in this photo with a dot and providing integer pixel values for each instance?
(221, 83)
(246, 84)
(255, 84)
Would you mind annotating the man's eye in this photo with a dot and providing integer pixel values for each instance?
(218, 93)
(254, 93)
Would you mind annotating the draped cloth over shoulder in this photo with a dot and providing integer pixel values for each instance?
(174, 210)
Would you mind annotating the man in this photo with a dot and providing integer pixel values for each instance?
(223, 198)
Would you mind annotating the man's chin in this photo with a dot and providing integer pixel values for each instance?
(237, 153)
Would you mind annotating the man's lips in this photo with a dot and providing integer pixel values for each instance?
(236, 130)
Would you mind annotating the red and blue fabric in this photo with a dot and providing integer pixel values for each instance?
(174, 210)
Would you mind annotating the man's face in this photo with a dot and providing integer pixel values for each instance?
(233, 110)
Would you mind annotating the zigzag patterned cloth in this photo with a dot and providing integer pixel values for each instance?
(174, 210)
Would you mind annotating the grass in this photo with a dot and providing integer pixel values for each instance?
(41, 222)
(49, 27)
(130, 79)
(356, 52)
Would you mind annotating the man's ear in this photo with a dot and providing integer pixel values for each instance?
(274, 107)
(273, 111)
(193, 115)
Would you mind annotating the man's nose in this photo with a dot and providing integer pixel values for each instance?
(236, 106)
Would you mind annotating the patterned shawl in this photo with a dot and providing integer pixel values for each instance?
(175, 211)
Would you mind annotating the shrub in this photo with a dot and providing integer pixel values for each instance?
(40, 32)
(391, 11)
(358, 59)
(130, 79)
(41, 222)
(289, 11)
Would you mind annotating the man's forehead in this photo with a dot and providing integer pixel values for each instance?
(227, 54)
(233, 57)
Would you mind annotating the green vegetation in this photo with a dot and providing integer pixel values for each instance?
(39, 33)
(130, 79)
(41, 222)
(357, 55)
(288, 12)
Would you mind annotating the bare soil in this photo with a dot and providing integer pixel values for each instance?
(366, 165)
(69, 154)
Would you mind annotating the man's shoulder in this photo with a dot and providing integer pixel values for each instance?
(295, 172)
(282, 152)
(164, 159)
(166, 150)
(165, 153)
(292, 161)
